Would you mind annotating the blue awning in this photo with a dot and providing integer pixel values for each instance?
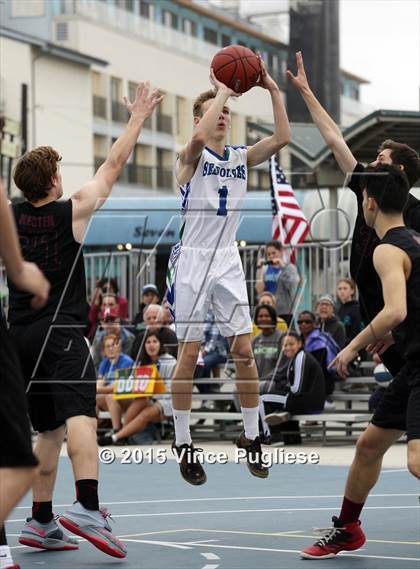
(149, 221)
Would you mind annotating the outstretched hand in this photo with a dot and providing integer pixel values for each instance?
(145, 102)
(299, 80)
(219, 86)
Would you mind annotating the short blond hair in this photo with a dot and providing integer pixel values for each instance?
(202, 98)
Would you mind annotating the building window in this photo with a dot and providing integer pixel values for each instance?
(27, 8)
(210, 35)
(226, 40)
(190, 27)
(129, 5)
(145, 9)
(170, 20)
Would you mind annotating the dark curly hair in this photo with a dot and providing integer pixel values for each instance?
(34, 171)
(144, 358)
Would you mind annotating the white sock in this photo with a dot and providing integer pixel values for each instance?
(114, 438)
(182, 426)
(250, 416)
(5, 556)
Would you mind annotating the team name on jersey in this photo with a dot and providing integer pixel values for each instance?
(210, 169)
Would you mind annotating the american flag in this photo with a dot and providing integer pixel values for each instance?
(290, 225)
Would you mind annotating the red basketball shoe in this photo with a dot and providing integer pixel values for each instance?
(340, 537)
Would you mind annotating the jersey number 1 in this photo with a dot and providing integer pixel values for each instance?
(223, 192)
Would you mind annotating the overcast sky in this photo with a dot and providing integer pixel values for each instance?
(380, 41)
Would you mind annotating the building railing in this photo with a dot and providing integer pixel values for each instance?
(119, 112)
(99, 106)
(148, 30)
(138, 174)
(164, 123)
(164, 178)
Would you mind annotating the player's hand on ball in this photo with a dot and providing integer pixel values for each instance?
(145, 102)
(219, 86)
(342, 360)
(299, 80)
(266, 81)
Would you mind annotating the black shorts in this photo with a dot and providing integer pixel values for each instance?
(58, 371)
(15, 437)
(399, 407)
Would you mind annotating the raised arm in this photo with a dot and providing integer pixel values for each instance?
(93, 194)
(327, 127)
(262, 150)
(390, 264)
(26, 276)
(203, 131)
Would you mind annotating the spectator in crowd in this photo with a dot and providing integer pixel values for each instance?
(153, 319)
(268, 298)
(110, 323)
(149, 295)
(320, 344)
(266, 346)
(145, 410)
(348, 309)
(303, 390)
(328, 321)
(113, 360)
(279, 277)
(105, 287)
(214, 351)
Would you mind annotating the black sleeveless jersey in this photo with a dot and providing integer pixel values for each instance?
(407, 334)
(46, 238)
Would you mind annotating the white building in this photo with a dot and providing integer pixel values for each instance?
(78, 107)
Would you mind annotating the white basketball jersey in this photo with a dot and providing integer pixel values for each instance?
(212, 199)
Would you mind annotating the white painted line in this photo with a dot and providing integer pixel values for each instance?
(227, 498)
(212, 566)
(210, 556)
(207, 512)
(163, 543)
(298, 551)
(396, 470)
(202, 541)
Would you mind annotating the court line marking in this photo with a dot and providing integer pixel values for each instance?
(210, 556)
(298, 551)
(225, 498)
(291, 534)
(207, 512)
(163, 543)
(395, 470)
(211, 566)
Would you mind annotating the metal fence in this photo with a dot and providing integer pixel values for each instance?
(132, 269)
(320, 267)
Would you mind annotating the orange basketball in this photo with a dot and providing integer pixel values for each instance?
(237, 67)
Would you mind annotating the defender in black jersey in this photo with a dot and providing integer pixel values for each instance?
(58, 369)
(17, 461)
(397, 262)
(364, 239)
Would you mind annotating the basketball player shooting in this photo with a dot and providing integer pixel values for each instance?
(205, 269)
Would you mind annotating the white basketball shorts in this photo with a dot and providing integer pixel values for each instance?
(207, 278)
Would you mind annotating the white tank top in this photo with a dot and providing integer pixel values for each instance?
(212, 200)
